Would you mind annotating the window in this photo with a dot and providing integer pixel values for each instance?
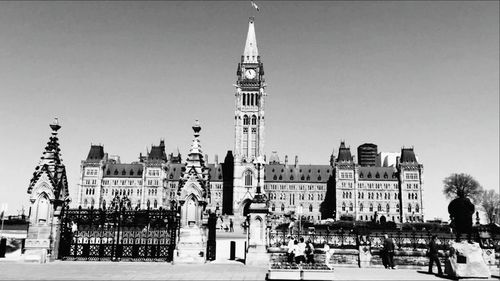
(246, 120)
(254, 120)
(387, 207)
(409, 208)
(371, 208)
(351, 208)
(379, 208)
(282, 207)
(397, 208)
(361, 207)
(343, 207)
(310, 208)
(417, 208)
(248, 178)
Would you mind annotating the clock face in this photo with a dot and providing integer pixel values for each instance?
(250, 73)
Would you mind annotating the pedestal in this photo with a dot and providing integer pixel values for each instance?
(466, 260)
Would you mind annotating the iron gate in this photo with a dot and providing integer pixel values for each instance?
(130, 235)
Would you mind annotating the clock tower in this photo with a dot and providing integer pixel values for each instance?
(249, 123)
(250, 96)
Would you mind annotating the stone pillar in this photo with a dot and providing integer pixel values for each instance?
(42, 243)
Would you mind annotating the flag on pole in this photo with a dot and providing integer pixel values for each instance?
(254, 5)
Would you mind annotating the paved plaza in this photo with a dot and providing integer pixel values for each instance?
(71, 270)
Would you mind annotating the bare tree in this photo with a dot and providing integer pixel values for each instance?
(462, 185)
(490, 202)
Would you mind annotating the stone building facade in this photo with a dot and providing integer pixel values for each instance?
(391, 189)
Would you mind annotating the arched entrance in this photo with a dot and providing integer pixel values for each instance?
(191, 210)
(382, 219)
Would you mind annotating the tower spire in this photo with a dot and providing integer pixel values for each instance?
(251, 53)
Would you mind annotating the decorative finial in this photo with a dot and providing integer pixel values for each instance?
(196, 127)
(55, 125)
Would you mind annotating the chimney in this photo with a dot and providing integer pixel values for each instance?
(286, 160)
(216, 159)
(296, 160)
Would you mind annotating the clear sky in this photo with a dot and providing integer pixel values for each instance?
(125, 74)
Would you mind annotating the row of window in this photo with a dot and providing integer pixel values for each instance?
(282, 208)
(346, 175)
(282, 196)
(292, 187)
(379, 207)
(91, 172)
(411, 175)
(250, 99)
(412, 196)
(122, 182)
(247, 120)
(412, 185)
(154, 172)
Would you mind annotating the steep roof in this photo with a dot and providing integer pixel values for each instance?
(133, 170)
(96, 153)
(158, 152)
(377, 174)
(215, 172)
(344, 153)
(408, 156)
(174, 171)
(51, 165)
(300, 173)
(251, 53)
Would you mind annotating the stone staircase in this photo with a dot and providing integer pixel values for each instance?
(192, 246)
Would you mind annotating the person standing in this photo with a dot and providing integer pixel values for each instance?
(300, 251)
(433, 255)
(231, 227)
(389, 251)
(291, 247)
(309, 252)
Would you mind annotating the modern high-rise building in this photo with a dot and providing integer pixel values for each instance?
(367, 190)
(367, 155)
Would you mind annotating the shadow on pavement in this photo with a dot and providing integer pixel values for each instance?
(435, 274)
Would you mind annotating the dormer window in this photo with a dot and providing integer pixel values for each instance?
(124, 172)
(116, 172)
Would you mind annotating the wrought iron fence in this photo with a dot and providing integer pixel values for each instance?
(96, 234)
(403, 240)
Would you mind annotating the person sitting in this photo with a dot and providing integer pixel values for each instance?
(309, 252)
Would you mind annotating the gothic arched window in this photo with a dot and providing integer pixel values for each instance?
(343, 206)
(246, 121)
(397, 208)
(310, 208)
(254, 120)
(282, 207)
(361, 207)
(351, 207)
(409, 208)
(273, 208)
(155, 204)
(388, 208)
(244, 99)
(379, 208)
(417, 208)
(371, 207)
(248, 178)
